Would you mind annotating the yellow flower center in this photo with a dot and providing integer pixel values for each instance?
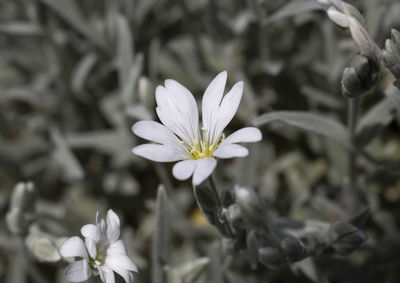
(99, 260)
(201, 149)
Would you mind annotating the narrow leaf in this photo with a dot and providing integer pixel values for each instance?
(376, 119)
(161, 237)
(293, 8)
(310, 122)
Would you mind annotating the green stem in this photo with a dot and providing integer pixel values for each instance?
(214, 188)
(224, 222)
(352, 119)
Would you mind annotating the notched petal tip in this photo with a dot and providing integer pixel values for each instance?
(184, 169)
(73, 247)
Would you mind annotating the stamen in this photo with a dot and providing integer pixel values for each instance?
(203, 128)
(97, 262)
(181, 142)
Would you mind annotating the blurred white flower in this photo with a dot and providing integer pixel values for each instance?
(180, 138)
(102, 253)
(346, 16)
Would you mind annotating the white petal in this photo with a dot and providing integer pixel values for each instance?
(91, 247)
(227, 110)
(184, 102)
(177, 109)
(184, 169)
(100, 223)
(248, 134)
(158, 152)
(154, 131)
(203, 170)
(91, 231)
(212, 98)
(127, 275)
(120, 261)
(78, 271)
(116, 248)
(106, 274)
(230, 150)
(338, 4)
(73, 247)
(338, 17)
(102, 227)
(112, 226)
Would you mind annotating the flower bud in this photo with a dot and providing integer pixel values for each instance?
(271, 257)
(234, 215)
(252, 208)
(391, 55)
(360, 77)
(361, 38)
(360, 219)
(207, 202)
(345, 237)
(146, 92)
(294, 249)
(22, 206)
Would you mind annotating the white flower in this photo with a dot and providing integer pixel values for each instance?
(181, 137)
(102, 252)
(346, 16)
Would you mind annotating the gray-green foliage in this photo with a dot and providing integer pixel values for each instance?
(75, 75)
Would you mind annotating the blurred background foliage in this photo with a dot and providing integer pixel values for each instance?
(76, 74)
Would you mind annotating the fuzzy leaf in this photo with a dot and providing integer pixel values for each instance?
(161, 245)
(310, 122)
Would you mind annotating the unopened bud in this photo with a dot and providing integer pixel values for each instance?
(207, 202)
(22, 207)
(360, 77)
(391, 55)
(228, 197)
(271, 257)
(360, 219)
(294, 249)
(345, 237)
(338, 18)
(252, 207)
(361, 38)
(146, 91)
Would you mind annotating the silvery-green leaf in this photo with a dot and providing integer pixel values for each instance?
(124, 49)
(82, 71)
(20, 28)
(43, 247)
(293, 8)
(308, 268)
(322, 98)
(161, 246)
(16, 271)
(377, 118)
(65, 158)
(310, 122)
(116, 143)
(73, 18)
(128, 92)
(120, 183)
(188, 271)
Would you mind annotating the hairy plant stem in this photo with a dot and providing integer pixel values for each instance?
(225, 223)
(352, 119)
(214, 188)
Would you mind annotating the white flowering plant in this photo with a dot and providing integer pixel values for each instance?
(102, 253)
(265, 140)
(180, 138)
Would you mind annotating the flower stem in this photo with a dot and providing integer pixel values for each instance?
(214, 189)
(352, 119)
